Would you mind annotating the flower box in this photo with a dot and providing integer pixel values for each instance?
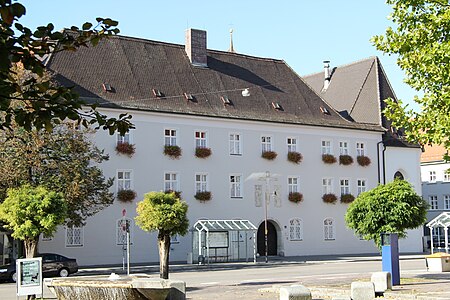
(126, 195)
(269, 155)
(328, 158)
(347, 198)
(329, 198)
(345, 160)
(125, 148)
(294, 157)
(177, 193)
(172, 150)
(363, 160)
(203, 196)
(202, 152)
(295, 197)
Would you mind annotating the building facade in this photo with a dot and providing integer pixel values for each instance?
(238, 107)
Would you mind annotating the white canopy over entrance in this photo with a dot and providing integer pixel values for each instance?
(221, 239)
(443, 220)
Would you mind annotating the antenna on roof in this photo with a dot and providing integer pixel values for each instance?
(231, 42)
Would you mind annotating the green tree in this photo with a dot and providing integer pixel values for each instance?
(64, 161)
(167, 214)
(421, 40)
(43, 104)
(392, 208)
(29, 211)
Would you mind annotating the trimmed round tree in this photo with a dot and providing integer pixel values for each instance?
(167, 214)
(390, 208)
(29, 211)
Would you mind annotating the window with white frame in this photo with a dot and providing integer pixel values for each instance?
(122, 226)
(171, 181)
(326, 147)
(295, 230)
(360, 149)
(123, 138)
(292, 144)
(175, 239)
(446, 201)
(446, 176)
(46, 238)
(345, 186)
(266, 143)
(200, 139)
(362, 187)
(328, 229)
(293, 184)
(170, 137)
(433, 200)
(236, 186)
(343, 148)
(124, 180)
(201, 182)
(327, 185)
(74, 236)
(235, 144)
(432, 176)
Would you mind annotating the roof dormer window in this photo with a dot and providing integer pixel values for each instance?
(157, 93)
(325, 110)
(226, 100)
(277, 106)
(189, 97)
(107, 87)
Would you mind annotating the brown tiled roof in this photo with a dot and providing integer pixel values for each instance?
(134, 67)
(357, 89)
(432, 153)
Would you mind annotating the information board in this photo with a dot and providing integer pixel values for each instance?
(218, 239)
(29, 276)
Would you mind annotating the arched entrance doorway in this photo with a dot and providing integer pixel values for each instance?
(272, 240)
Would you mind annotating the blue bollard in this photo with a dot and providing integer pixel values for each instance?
(390, 256)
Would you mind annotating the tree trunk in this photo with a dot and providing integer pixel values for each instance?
(30, 247)
(164, 248)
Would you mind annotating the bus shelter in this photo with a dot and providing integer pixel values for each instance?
(224, 241)
(435, 225)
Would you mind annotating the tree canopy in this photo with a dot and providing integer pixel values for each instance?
(64, 160)
(390, 208)
(29, 211)
(42, 103)
(167, 214)
(420, 38)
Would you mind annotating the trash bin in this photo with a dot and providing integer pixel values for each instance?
(438, 262)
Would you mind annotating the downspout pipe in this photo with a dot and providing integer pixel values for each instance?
(383, 162)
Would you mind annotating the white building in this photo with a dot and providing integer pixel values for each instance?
(435, 188)
(193, 97)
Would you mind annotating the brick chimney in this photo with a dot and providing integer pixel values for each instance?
(195, 47)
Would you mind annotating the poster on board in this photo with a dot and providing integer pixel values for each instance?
(29, 276)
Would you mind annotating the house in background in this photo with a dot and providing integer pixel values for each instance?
(250, 112)
(435, 188)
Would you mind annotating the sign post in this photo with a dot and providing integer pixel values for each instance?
(29, 276)
(126, 230)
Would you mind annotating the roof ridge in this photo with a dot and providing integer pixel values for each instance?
(345, 65)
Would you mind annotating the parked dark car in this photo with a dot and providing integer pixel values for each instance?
(52, 265)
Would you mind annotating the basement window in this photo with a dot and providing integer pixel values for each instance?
(107, 87)
(324, 110)
(277, 106)
(157, 93)
(226, 100)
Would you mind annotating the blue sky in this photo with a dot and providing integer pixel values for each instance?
(303, 33)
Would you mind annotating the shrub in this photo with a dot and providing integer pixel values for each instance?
(363, 160)
(202, 152)
(345, 160)
(203, 196)
(328, 158)
(329, 198)
(294, 157)
(269, 155)
(172, 151)
(126, 195)
(347, 198)
(295, 197)
(125, 148)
